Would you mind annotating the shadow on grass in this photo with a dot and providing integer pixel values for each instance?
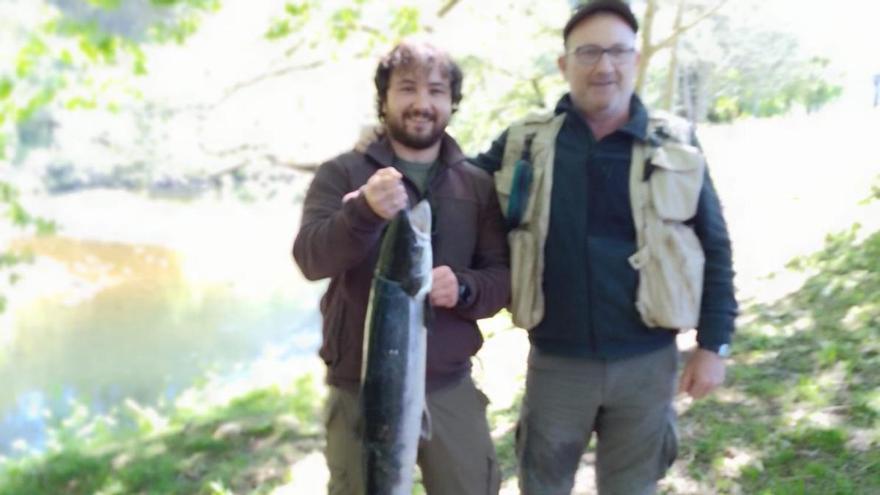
(801, 411)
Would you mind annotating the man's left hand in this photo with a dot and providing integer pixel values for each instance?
(444, 288)
(703, 373)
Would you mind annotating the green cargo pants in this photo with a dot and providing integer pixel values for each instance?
(458, 459)
(627, 402)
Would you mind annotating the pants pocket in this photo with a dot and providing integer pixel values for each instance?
(669, 451)
(493, 483)
(342, 451)
(332, 407)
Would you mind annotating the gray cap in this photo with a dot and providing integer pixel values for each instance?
(616, 7)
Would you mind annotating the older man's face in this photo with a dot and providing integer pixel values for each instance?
(603, 88)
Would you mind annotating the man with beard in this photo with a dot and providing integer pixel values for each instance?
(350, 201)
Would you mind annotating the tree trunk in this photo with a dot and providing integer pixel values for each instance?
(647, 49)
(672, 70)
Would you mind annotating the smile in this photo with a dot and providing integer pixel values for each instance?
(420, 120)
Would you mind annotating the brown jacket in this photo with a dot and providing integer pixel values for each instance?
(341, 241)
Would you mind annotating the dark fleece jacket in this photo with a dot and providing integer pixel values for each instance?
(341, 241)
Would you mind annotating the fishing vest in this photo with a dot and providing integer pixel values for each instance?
(666, 176)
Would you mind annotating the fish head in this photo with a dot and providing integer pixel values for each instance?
(405, 255)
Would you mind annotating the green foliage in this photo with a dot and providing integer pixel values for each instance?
(5, 88)
(297, 9)
(358, 26)
(874, 195)
(105, 4)
(28, 56)
(805, 87)
(36, 102)
(12, 212)
(734, 65)
(406, 21)
(58, 53)
(183, 25)
(296, 16)
(480, 120)
(765, 83)
(244, 446)
(279, 29)
(193, 5)
(343, 22)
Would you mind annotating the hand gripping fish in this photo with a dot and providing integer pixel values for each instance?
(393, 381)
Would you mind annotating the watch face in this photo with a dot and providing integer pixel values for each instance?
(724, 350)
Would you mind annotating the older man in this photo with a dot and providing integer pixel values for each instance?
(617, 242)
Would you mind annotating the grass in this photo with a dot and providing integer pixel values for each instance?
(243, 446)
(801, 410)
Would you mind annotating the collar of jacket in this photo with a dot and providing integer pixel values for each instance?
(636, 126)
(450, 153)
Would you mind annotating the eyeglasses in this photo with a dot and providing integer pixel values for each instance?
(591, 54)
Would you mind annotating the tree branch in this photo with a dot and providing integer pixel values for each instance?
(686, 27)
(265, 76)
(539, 92)
(310, 167)
(646, 49)
(267, 158)
(672, 69)
(447, 7)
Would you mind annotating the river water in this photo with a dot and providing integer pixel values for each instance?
(138, 298)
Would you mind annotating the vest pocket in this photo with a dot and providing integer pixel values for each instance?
(526, 299)
(676, 181)
(671, 280)
(670, 260)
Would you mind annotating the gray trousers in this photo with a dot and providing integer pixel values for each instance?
(628, 403)
(458, 459)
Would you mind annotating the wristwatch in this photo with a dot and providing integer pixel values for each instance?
(464, 294)
(723, 350)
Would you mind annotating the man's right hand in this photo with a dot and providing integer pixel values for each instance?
(385, 193)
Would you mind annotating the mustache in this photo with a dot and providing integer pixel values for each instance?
(419, 113)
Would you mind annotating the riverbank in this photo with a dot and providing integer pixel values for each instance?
(141, 298)
(800, 412)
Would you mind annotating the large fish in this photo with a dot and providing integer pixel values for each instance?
(393, 385)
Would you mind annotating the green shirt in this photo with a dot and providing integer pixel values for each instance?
(417, 172)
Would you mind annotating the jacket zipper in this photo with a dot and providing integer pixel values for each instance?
(591, 327)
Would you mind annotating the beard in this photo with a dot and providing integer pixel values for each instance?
(397, 130)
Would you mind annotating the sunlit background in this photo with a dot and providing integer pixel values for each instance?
(155, 155)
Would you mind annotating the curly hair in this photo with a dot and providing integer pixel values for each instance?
(411, 55)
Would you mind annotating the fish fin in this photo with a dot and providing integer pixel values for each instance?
(426, 426)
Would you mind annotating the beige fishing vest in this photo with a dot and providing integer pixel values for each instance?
(669, 258)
